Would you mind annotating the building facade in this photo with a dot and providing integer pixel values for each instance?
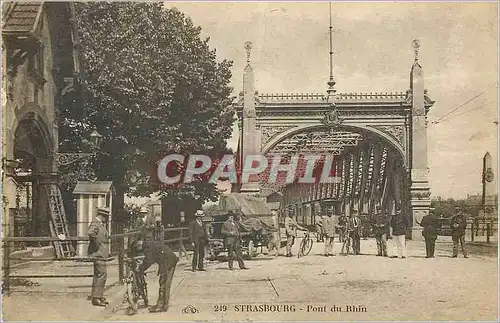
(40, 70)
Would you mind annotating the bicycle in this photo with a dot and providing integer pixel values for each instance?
(347, 242)
(137, 288)
(305, 245)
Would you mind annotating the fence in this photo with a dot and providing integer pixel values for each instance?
(173, 236)
(478, 229)
(23, 228)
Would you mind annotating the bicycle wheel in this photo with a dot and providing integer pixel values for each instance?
(301, 248)
(308, 243)
(144, 290)
(345, 246)
(130, 294)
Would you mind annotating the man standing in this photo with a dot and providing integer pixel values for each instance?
(232, 240)
(354, 227)
(98, 250)
(144, 224)
(399, 224)
(319, 227)
(291, 227)
(430, 232)
(156, 252)
(329, 233)
(458, 225)
(380, 225)
(199, 238)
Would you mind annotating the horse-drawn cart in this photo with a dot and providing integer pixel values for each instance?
(256, 224)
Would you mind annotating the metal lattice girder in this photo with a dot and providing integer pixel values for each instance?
(362, 205)
(317, 143)
(387, 185)
(377, 156)
(355, 177)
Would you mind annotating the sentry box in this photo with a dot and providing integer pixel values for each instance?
(90, 196)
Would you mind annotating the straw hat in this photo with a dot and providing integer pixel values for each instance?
(200, 213)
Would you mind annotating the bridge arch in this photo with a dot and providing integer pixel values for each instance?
(361, 129)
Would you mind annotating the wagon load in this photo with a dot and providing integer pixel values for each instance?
(256, 223)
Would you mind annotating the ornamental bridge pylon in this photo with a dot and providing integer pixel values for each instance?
(378, 142)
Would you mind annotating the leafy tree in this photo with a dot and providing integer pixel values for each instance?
(151, 87)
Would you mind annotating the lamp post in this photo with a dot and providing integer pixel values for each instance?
(64, 159)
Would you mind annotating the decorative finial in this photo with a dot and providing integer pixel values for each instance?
(416, 47)
(248, 48)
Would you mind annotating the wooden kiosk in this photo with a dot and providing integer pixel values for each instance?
(90, 196)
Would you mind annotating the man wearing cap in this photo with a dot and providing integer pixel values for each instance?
(458, 225)
(156, 252)
(399, 224)
(199, 239)
(291, 227)
(380, 225)
(354, 228)
(232, 240)
(144, 224)
(98, 250)
(430, 232)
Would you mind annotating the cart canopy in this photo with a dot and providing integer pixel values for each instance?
(255, 214)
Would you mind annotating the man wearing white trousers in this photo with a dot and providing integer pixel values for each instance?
(399, 224)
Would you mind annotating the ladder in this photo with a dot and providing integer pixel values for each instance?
(58, 223)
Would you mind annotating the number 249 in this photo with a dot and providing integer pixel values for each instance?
(220, 308)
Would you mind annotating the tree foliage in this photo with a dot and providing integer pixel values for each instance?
(152, 86)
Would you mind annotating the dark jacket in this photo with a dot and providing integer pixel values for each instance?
(399, 224)
(430, 224)
(197, 233)
(157, 252)
(458, 225)
(380, 224)
(98, 236)
(230, 232)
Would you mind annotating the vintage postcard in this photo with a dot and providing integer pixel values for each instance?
(249, 161)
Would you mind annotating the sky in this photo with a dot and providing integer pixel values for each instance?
(373, 52)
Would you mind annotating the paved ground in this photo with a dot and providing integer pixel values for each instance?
(415, 288)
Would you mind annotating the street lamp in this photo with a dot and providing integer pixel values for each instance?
(64, 159)
(96, 138)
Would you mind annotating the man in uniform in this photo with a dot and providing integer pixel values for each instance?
(458, 225)
(199, 239)
(430, 232)
(156, 252)
(291, 227)
(98, 250)
(399, 224)
(354, 227)
(329, 225)
(319, 227)
(232, 240)
(380, 226)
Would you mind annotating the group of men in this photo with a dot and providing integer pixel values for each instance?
(430, 223)
(154, 252)
(350, 227)
(157, 252)
(198, 236)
